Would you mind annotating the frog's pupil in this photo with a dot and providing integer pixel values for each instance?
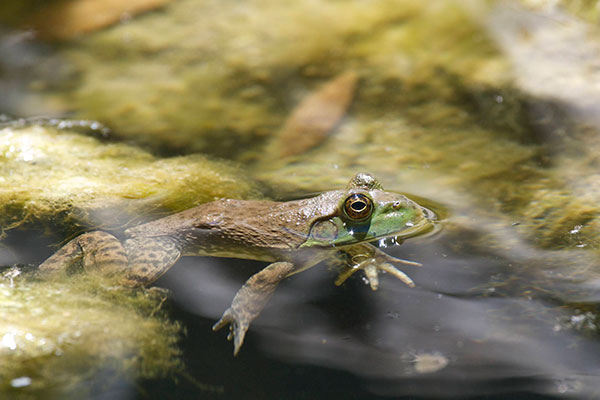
(358, 206)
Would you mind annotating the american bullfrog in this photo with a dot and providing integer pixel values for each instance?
(293, 236)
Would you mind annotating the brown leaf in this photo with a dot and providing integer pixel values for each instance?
(317, 115)
(69, 19)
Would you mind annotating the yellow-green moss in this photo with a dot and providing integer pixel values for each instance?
(55, 176)
(73, 336)
(15, 12)
(437, 100)
(220, 77)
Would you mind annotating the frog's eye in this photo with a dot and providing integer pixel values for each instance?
(358, 207)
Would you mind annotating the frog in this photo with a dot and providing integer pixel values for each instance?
(338, 225)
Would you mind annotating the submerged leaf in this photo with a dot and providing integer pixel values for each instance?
(316, 115)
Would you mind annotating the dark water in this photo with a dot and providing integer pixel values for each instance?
(451, 336)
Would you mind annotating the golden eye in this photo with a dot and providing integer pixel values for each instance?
(358, 207)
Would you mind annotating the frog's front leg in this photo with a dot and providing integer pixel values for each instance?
(149, 258)
(250, 300)
(370, 259)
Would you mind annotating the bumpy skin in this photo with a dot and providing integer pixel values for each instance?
(293, 235)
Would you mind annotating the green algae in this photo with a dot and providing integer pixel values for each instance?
(437, 96)
(438, 110)
(61, 177)
(221, 77)
(14, 12)
(67, 338)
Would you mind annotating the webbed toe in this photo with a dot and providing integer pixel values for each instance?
(371, 261)
(238, 326)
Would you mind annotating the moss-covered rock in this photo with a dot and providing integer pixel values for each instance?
(221, 77)
(61, 177)
(70, 338)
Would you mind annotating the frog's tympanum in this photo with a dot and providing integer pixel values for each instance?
(293, 236)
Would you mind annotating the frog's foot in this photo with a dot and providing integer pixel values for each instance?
(240, 321)
(371, 262)
(250, 300)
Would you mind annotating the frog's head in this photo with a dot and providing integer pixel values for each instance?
(366, 212)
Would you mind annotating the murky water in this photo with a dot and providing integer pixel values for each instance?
(486, 113)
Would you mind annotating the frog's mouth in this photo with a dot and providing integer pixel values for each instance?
(425, 226)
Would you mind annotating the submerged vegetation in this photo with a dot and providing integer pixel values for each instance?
(61, 337)
(437, 95)
(50, 176)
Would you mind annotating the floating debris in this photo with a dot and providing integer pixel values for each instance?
(426, 363)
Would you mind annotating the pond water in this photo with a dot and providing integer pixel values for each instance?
(485, 112)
